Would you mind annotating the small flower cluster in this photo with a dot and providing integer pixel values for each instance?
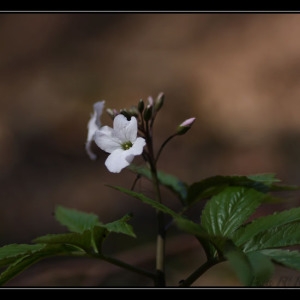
(131, 132)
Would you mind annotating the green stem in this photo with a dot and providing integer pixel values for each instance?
(124, 265)
(161, 234)
(164, 144)
(200, 271)
(161, 231)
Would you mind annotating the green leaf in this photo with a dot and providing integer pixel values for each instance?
(266, 178)
(191, 227)
(169, 181)
(76, 221)
(287, 258)
(83, 240)
(11, 252)
(18, 266)
(252, 268)
(121, 226)
(264, 223)
(239, 262)
(213, 185)
(209, 242)
(228, 210)
(280, 236)
(147, 200)
(262, 268)
(21, 263)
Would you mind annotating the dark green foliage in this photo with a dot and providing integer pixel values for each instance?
(225, 228)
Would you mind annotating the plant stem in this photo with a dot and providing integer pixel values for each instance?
(127, 266)
(164, 144)
(161, 231)
(161, 234)
(200, 271)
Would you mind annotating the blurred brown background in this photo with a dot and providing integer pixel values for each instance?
(238, 74)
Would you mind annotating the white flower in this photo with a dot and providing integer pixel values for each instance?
(93, 125)
(121, 142)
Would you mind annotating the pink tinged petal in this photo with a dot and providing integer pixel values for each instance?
(106, 140)
(187, 123)
(150, 101)
(117, 160)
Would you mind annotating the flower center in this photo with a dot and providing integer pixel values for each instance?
(126, 145)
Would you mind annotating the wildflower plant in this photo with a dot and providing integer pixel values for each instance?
(226, 229)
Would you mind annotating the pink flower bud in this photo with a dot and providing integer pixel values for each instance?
(185, 126)
(188, 123)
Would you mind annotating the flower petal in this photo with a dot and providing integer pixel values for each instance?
(125, 130)
(93, 125)
(120, 159)
(88, 149)
(98, 109)
(137, 147)
(106, 140)
(116, 161)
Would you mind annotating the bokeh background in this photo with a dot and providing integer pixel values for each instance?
(237, 73)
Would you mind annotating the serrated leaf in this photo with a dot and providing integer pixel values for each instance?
(228, 210)
(280, 236)
(169, 181)
(210, 243)
(18, 266)
(239, 262)
(84, 241)
(262, 268)
(76, 221)
(211, 186)
(191, 227)
(252, 269)
(147, 200)
(121, 226)
(266, 178)
(21, 263)
(287, 258)
(244, 234)
(11, 252)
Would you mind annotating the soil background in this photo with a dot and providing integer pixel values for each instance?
(237, 73)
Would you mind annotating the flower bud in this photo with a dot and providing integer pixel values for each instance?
(112, 113)
(159, 102)
(133, 111)
(141, 105)
(150, 101)
(148, 112)
(185, 126)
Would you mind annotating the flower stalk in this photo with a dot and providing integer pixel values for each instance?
(123, 143)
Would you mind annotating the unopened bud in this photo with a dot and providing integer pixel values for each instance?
(148, 113)
(111, 112)
(185, 126)
(159, 101)
(134, 111)
(141, 106)
(150, 101)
